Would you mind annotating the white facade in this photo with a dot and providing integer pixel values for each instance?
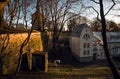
(87, 45)
(81, 43)
(98, 52)
(113, 40)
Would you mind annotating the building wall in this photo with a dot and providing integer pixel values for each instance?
(82, 47)
(99, 51)
(86, 43)
(113, 39)
(75, 45)
(114, 48)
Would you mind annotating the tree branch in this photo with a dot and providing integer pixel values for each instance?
(96, 12)
(95, 1)
(110, 7)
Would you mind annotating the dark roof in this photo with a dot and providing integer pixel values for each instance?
(78, 29)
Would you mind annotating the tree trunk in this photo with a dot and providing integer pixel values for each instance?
(108, 57)
(1, 18)
(21, 52)
(1, 66)
(54, 42)
(1, 26)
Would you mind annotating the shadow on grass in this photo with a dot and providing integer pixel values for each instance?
(64, 54)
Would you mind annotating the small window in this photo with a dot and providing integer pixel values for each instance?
(88, 45)
(86, 36)
(84, 52)
(84, 45)
(88, 52)
(95, 49)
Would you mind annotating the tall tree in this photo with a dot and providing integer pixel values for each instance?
(113, 26)
(108, 57)
(2, 5)
(12, 8)
(6, 40)
(25, 42)
(71, 23)
(58, 10)
(96, 25)
(75, 20)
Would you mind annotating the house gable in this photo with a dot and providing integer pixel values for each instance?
(77, 30)
(81, 42)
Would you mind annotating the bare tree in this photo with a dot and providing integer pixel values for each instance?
(96, 25)
(25, 6)
(58, 10)
(25, 42)
(2, 5)
(75, 20)
(71, 23)
(110, 61)
(12, 11)
(5, 40)
(18, 14)
(21, 52)
(108, 57)
(4, 44)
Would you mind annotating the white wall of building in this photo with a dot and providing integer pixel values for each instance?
(86, 44)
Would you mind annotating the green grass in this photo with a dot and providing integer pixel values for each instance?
(68, 69)
(65, 34)
(69, 72)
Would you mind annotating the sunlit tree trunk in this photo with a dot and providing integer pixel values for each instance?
(21, 52)
(108, 57)
(1, 18)
(2, 4)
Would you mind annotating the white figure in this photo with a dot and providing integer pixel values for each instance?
(56, 62)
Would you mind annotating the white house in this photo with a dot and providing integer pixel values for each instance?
(98, 52)
(81, 43)
(113, 40)
(87, 45)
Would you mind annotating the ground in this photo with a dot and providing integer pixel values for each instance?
(69, 68)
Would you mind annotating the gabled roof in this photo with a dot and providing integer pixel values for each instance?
(77, 30)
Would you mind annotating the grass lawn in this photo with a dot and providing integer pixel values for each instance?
(70, 68)
(69, 72)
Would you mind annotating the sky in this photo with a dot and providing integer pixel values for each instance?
(89, 13)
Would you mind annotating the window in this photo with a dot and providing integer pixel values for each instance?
(88, 52)
(95, 49)
(86, 36)
(84, 45)
(84, 52)
(88, 45)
